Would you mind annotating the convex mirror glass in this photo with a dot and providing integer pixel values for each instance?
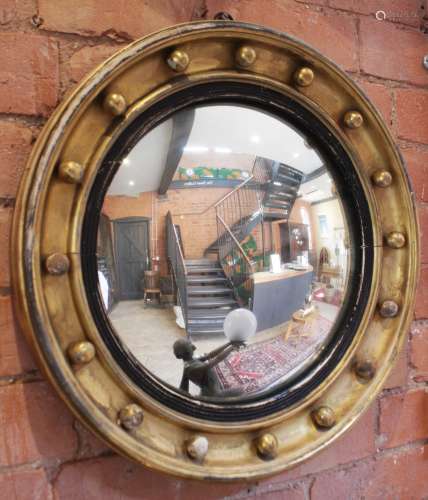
(223, 251)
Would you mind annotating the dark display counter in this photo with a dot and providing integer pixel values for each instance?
(278, 295)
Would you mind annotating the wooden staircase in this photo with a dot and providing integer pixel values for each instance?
(209, 297)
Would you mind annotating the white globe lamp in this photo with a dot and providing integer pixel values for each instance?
(239, 325)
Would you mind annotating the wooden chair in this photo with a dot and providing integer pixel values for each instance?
(151, 284)
(151, 291)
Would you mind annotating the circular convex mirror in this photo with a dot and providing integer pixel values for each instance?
(215, 251)
(223, 252)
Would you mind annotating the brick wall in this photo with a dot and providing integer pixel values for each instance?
(192, 210)
(45, 48)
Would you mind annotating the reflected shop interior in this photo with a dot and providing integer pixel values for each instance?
(223, 251)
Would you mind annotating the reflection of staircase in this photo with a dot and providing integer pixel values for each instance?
(207, 288)
(273, 193)
(281, 192)
(267, 195)
(240, 229)
(209, 297)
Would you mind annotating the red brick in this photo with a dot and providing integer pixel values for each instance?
(15, 141)
(355, 444)
(191, 490)
(412, 118)
(421, 306)
(118, 479)
(123, 19)
(86, 59)
(5, 227)
(334, 35)
(15, 357)
(402, 418)
(196, 232)
(388, 51)
(349, 484)
(34, 425)
(314, 2)
(290, 492)
(393, 476)
(15, 11)
(25, 484)
(89, 445)
(28, 74)
(423, 223)
(381, 97)
(398, 375)
(417, 167)
(398, 11)
(419, 351)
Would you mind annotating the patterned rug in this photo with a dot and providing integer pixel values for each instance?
(258, 365)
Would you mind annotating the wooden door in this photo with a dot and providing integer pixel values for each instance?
(285, 242)
(106, 258)
(294, 240)
(132, 255)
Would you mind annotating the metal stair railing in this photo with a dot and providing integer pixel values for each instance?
(237, 207)
(236, 264)
(237, 214)
(178, 266)
(240, 208)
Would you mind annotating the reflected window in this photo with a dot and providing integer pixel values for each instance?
(323, 224)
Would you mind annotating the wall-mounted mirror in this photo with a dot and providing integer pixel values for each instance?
(215, 251)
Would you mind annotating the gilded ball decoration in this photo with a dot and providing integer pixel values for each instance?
(267, 446)
(197, 448)
(70, 171)
(245, 56)
(115, 104)
(223, 16)
(57, 264)
(388, 309)
(304, 77)
(178, 60)
(364, 369)
(353, 119)
(131, 416)
(324, 417)
(395, 239)
(382, 178)
(81, 353)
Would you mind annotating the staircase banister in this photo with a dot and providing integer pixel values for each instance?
(242, 251)
(177, 241)
(226, 196)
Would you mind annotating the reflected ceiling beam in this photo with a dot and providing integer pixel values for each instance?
(182, 124)
(315, 174)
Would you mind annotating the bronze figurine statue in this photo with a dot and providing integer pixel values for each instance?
(199, 370)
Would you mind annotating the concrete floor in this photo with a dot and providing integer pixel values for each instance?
(150, 332)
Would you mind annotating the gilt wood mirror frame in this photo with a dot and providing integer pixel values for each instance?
(54, 252)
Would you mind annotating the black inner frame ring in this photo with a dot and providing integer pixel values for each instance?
(361, 238)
